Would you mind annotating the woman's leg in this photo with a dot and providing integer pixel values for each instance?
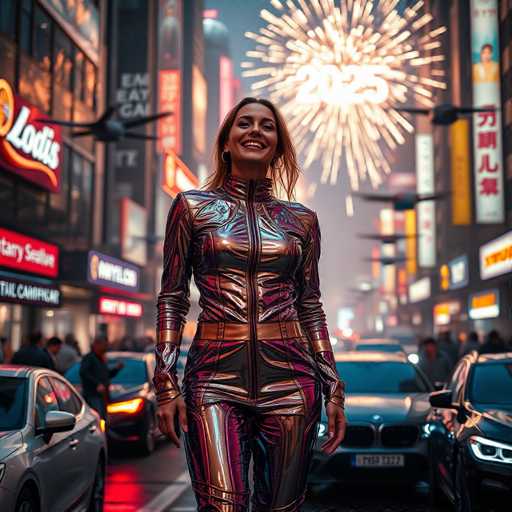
(218, 454)
(282, 455)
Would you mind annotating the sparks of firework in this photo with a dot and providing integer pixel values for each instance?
(337, 72)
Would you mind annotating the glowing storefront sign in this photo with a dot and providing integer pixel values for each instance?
(461, 175)
(28, 292)
(109, 306)
(445, 311)
(108, 271)
(426, 210)
(169, 128)
(176, 176)
(29, 147)
(420, 290)
(484, 305)
(496, 257)
(28, 254)
(488, 160)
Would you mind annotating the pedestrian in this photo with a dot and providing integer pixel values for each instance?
(68, 354)
(448, 347)
(53, 346)
(472, 343)
(32, 353)
(494, 344)
(433, 362)
(261, 354)
(95, 376)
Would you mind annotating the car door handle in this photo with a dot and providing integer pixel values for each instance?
(74, 443)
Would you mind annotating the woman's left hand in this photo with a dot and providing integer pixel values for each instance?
(336, 425)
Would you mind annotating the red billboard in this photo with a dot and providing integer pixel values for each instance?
(110, 306)
(29, 147)
(176, 176)
(169, 128)
(28, 254)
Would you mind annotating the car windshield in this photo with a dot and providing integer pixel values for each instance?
(491, 383)
(379, 347)
(12, 403)
(133, 372)
(381, 377)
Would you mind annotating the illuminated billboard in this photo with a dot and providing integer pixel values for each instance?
(227, 91)
(176, 176)
(169, 100)
(488, 160)
(29, 147)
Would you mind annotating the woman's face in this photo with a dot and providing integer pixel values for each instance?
(253, 137)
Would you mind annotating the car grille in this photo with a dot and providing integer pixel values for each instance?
(398, 436)
(358, 436)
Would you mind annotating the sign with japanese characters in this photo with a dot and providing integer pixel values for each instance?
(488, 161)
(496, 257)
(426, 209)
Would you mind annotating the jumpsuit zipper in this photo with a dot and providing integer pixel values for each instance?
(252, 305)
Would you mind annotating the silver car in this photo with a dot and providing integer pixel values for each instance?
(52, 444)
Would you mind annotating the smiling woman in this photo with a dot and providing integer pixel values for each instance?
(261, 355)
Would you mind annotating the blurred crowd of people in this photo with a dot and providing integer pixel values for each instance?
(438, 356)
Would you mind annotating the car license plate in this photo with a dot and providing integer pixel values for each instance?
(378, 460)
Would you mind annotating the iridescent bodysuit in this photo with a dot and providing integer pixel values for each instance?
(261, 355)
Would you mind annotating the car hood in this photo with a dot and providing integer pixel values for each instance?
(120, 392)
(9, 442)
(502, 416)
(387, 408)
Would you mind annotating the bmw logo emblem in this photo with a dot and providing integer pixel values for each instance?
(376, 418)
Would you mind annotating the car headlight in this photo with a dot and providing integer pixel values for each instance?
(413, 358)
(487, 449)
(2, 470)
(427, 429)
(322, 429)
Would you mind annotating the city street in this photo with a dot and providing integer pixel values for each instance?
(160, 482)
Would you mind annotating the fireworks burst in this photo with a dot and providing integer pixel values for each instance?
(337, 73)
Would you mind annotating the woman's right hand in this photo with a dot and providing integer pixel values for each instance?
(166, 414)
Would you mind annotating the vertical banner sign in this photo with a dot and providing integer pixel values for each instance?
(170, 50)
(387, 227)
(410, 242)
(461, 181)
(488, 161)
(426, 209)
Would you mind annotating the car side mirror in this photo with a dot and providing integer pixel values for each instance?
(441, 399)
(57, 421)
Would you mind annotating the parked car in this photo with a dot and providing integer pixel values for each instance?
(471, 450)
(386, 408)
(378, 345)
(52, 444)
(132, 410)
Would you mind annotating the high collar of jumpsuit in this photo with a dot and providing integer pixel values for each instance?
(254, 258)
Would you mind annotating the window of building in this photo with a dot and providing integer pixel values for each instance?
(81, 192)
(42, 38)
(26, 26)
(63, 60)
(90, 84)
(79, 75)
(8, 17)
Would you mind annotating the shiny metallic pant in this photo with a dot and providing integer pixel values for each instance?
(221, 439)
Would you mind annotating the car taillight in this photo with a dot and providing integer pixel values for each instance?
(102, 425)
(127, 407)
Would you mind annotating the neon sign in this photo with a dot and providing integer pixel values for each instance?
(108, 306)
(28, 147)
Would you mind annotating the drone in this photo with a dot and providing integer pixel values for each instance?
(388, 260)
(386, 239)
(401, 201)
(106, 129)
(444, 114)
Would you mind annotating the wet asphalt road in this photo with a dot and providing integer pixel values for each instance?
(160, 483)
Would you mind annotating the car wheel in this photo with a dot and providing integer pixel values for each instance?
(465, 500)
(27, 501)
(147, 443)
(98, 489)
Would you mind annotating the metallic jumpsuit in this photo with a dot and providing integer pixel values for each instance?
(261, 354)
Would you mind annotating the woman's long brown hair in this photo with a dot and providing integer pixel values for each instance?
(284, 170)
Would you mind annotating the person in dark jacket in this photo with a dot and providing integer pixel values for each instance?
(494, 344)
(32, 354)
(433, 362)
(95, 376)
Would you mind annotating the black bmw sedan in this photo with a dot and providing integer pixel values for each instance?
(471, 437)
(386, 438)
